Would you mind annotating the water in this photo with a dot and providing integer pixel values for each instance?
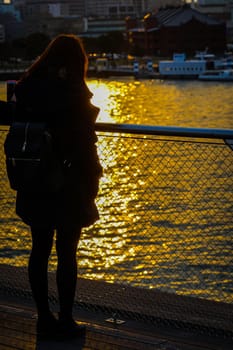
(166, 103)
(164, 240)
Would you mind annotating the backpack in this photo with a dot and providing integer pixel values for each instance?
(32, 162)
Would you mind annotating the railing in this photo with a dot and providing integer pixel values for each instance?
(166, 208)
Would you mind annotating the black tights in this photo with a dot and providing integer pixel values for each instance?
(66, 247)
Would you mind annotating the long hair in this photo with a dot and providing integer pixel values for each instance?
(64, 55)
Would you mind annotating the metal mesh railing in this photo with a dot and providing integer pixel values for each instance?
(165, 215)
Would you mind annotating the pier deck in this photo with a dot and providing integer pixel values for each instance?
(152, 320)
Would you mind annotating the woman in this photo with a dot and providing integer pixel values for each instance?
(54, 90)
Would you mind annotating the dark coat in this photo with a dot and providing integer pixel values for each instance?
(71, 118)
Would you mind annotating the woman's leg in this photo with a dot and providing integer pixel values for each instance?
(66, 245)
(42, 241)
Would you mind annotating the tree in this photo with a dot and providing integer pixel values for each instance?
(19, 47)
(112, 42)
(35, 45)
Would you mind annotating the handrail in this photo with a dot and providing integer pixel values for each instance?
(166, 130)
(211, 133)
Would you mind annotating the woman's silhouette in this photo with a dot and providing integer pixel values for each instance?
(54, 90)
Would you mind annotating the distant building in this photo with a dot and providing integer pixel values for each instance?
(85, 8)
(52, 26)
(9, 8)
(55, 8)
(96, 27)
(52, 17)
(84, 17)
(116, 8)
(157, 4)
(182, 29)
(2, 34)
(218, 9)
(10, 19)
(212, 2)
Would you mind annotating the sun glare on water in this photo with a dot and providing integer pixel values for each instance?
(101, 98)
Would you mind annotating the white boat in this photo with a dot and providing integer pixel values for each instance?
(179, 67)
(213, 62)
(217, 75)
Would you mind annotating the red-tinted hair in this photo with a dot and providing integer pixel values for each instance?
(66, 51)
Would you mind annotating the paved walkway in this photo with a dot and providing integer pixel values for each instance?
(150, 319)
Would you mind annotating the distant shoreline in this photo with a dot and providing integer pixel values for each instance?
(11, 74)
(16, 74)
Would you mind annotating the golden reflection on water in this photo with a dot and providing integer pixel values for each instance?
(164, 103)
(165, 207)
